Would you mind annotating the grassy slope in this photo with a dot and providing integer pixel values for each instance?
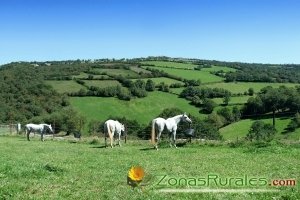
(241, 87)
(233, 100)
(65, 86)
(241, 128)
(167, 81)
(218, 68)
(64, 170)
(102, 83)
(204, 76)
(126, 73)
(170, 64)
(143, 110)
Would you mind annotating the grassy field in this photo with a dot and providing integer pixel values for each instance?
(204, 76)
(81, 170)
(170, 64)
(233, 100)
(139, 69)
(65, 86)
(218, 68)
(102, 83)
(241, 128)
(167, 81)
(153, 105)
(241, 87)
(123, 72)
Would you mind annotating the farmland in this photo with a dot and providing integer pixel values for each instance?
(170, 64)
(153, 104)
(102, 83)
(167, 81)
(85, 170)
(65, 86)
(241, 87)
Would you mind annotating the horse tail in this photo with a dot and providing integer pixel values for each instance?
(108, 130)
(153, 132)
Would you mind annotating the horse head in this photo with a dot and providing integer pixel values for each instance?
(185, 118)
(50, 128)
(122, 127)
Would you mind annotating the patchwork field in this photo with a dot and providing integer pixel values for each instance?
(167, 81)
(81, 170)
(101, 108)
(123, 72)
(241, 87)
(170, 64)
(65, 86)
(218, 68)
(102, 83)
(241, 128)
(204, 76)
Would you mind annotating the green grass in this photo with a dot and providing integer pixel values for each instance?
(241, 87)
(65, 86)
(241, 128)
(170, 64)
(176, 90)
(233, 100)
(64, 170)
(139, 69)
(123, 72)
(204, 76)
(143, 110)
(218, 68)
(102, 83)
(167, 81)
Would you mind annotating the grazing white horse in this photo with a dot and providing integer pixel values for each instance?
(159, 124)
(38, 128)
(110, 128)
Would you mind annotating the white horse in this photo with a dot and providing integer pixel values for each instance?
(38, 128)
(110, 128)
(159, 124)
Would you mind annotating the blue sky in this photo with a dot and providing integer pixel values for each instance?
(265, 31)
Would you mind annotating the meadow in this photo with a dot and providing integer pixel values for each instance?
(241, 128)
(65, 86)
(241, 87)
(159, 80)
(170, 64)
(100, 108)
(204, 76)
(102, 83)
(83, 169)
(123, 72)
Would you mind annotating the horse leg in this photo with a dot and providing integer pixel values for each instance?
(105, 138)
(111, 140)
(42, 136)
(28, 132)
(174, 139)
(158, 140)
(119, 142)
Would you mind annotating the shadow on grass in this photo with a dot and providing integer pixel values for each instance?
(98, 147)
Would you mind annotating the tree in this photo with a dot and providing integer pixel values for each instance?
(260, 131)
(208, 105)
(226, 99)
(150, 85)
(251, 91)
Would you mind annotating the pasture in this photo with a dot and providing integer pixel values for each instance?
(170, 64)
(204, 76)
(102, 83)
(86, 170)
(123, 72)
(240, 129)
(241, 87)
(167, 81)
(233, 100)
(65, 86)
(218, 68)
(100, 108)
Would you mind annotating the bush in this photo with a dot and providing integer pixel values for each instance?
(261, 131)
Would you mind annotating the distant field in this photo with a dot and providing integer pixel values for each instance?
(241, 87)
(139, 69)
(143, 110)
(167, 81)
(204, 76)
(218, 68)
(233, 100)
(124, 72)
(81, 75)
(102, 83)
(65, 86)
(241, 128)
(170, 64)
(176, 90)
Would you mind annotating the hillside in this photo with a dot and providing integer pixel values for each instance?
(140, 89)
